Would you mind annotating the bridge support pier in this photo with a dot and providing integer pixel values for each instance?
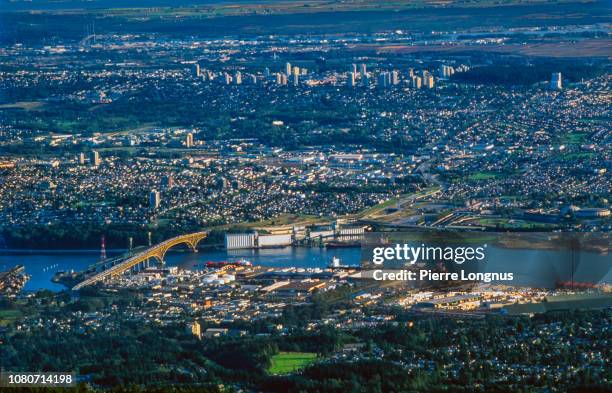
(192, 246)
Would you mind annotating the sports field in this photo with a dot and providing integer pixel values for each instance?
(288, 362)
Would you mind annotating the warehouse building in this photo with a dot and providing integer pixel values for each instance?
(236, 241)
(274, 240)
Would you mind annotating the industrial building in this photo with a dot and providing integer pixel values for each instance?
(351, 230)
(274, 240)
(235, 241)
(287, 235)
(321, 232)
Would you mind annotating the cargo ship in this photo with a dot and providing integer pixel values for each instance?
(339, 244)
(575, 285)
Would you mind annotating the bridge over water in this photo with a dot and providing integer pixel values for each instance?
(140, 259)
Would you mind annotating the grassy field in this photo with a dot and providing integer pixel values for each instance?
(377, 208)
(577, 156)
(574, 138)
(376, 211)
(288, 362)
(482, 176)
(166, 9)
(8, 316)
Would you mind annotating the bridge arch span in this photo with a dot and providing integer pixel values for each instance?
(191, 241)
(157, 251)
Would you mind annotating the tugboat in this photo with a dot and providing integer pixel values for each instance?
(336, 263)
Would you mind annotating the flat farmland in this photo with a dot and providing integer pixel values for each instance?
(583, 48)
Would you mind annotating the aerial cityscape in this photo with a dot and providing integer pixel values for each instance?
(210, 196)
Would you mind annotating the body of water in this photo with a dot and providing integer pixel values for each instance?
(42, 266)
(531, 267)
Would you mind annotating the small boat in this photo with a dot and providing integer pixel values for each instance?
(240, 262)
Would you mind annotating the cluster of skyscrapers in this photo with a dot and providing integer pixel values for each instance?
(391, 78)
(291, 74)
(446, 71)
(387, 78)
(362, 73)
(94, 158)
(229, 79)
(358, 76)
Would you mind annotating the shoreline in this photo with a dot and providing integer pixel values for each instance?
(42, 251)
(25, 251)
(118, 251)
